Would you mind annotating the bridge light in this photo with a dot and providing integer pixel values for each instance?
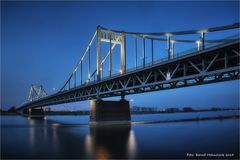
(120, 71)
(198, 45)
(202, 37)
(55, 124)
(203, 31)
(168, 34)
(168, 77)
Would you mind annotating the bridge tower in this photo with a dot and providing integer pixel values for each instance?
(101, 110)
(35, 93)
(115, 38)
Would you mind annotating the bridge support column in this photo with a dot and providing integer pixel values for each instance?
(36, 113)
(110, 111)
(25, 112)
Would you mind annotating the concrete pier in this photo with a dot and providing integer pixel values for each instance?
(110, 111)
(25, 112)
(36, 113)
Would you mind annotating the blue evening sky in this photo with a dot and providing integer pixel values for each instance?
(41, 43)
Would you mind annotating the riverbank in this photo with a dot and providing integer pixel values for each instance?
(75, 113)
(190, 119)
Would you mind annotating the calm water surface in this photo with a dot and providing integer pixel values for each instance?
(73, 137)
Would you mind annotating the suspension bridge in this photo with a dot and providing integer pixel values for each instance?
(119, 63)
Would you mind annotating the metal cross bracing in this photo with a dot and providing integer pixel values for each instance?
(210, 61)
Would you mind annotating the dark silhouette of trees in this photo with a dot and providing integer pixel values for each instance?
(12, 109)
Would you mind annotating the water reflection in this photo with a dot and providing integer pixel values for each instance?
(48, 139)
(108, 142)
(101, 142)
(40, 135)
(132, 145)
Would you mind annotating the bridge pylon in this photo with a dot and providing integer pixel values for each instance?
(35, 93)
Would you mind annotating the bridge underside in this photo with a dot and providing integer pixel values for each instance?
(207, 66)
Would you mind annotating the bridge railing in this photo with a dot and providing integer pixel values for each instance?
(178, 55)
(187, 52)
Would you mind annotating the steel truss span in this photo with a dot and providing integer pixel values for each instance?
(215, 64)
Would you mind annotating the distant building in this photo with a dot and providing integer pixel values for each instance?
(143, 109)
(187, 109)
(172, 110)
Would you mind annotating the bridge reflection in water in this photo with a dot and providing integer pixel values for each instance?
(108, 142)
(52, 139)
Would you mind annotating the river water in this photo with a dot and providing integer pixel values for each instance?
(73, 137)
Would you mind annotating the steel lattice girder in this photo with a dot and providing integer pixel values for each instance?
(208, 66)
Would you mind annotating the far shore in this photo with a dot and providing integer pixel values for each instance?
(57, 113)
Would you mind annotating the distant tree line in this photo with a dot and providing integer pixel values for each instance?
(11, 110)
